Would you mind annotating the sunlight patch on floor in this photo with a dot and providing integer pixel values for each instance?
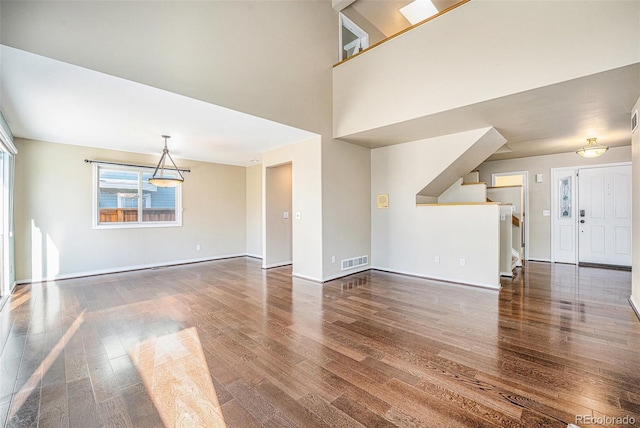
(175, 373)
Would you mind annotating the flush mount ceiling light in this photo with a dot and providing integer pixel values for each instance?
(159, 179)
(592, 149)
(418, 11)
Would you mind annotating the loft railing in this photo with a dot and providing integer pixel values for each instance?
(442, 12)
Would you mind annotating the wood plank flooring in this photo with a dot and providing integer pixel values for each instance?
(225, 343)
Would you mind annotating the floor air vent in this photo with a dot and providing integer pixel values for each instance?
(355, 262)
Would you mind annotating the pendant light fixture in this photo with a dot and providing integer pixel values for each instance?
(592, 149)
(159, 179)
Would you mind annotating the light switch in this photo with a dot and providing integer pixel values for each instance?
(503, 217)
(546, 213)
(286, 214)
(298, 215)
(538, 178)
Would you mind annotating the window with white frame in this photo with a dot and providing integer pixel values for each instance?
(125, 198)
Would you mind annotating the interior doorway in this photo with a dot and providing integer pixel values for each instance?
(278, 228)
(517, 178)
(353, 39)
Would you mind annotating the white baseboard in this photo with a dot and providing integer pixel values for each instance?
(307, 278)
(254, 256)
(509, 274)
(275, 265)
(635, 306)
(444, 279)
(345, 273)
(126, 269)
(538, 260)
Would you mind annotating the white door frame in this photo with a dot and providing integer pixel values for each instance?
(576, 201)
(525, 203)
(351, 26)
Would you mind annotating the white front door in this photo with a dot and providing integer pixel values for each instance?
(564, 215)
(604, 215)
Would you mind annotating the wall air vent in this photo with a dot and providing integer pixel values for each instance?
(355, 262)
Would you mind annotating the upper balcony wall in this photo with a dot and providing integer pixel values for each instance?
(481, 51)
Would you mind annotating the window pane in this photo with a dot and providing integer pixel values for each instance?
(118, 196)
(158, 203)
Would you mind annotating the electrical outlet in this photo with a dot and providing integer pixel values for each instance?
(462, 262)
(436, 259)
(198, 247)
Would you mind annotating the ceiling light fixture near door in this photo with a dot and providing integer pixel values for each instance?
(159, 178)
(592, 149)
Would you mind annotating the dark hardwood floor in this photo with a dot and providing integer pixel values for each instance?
(225, 343)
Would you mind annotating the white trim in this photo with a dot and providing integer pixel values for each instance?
(306, 278)
(343, 274)
(525, 203)
(509, 274)
(275, 265)
(362, 35)
(128, 268)
(440, 278)
(6, 143)
(540, 260)
(129, 225)
(635, 306)
(254, 256)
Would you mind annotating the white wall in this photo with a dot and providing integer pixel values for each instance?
(459, 192)
(53, 207)
(510, 195)
(306, 189)
(406, 238)
(635, 144)
(277, 224)
(505, 240)
(254, 210)
(540, 193)
(481, 46)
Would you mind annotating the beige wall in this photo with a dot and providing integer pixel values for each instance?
(211, 51)
(635, 144)
(346, 212)
(406, 238)
(489, 49)
(254, 210)
(277, 226)
(208, 50)
(306, 189)
(53, 213)
(540, 193)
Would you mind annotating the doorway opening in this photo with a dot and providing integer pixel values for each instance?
(353, 39)
(278, 228)
(517, 178)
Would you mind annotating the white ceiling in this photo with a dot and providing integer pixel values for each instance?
(48, 100)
